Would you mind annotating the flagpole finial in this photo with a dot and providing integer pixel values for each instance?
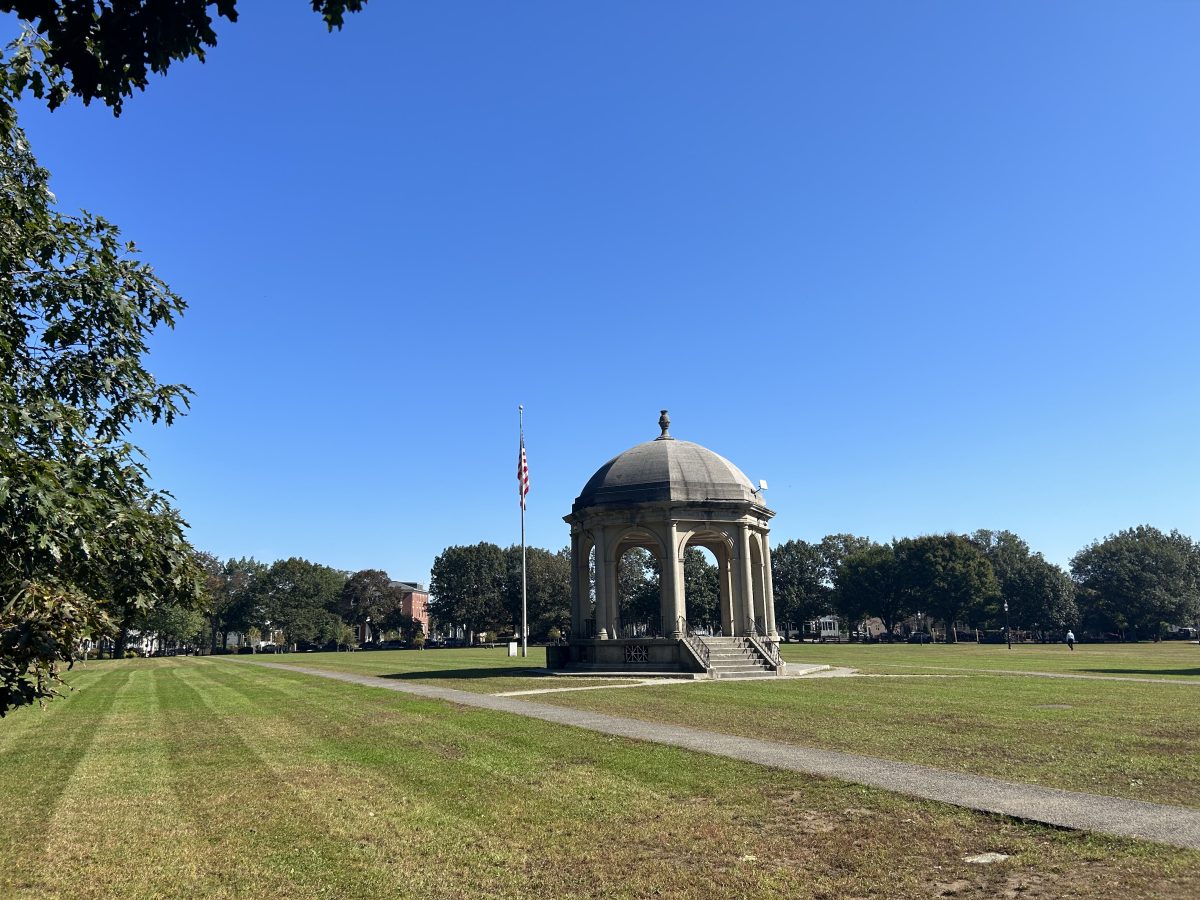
(664, 422)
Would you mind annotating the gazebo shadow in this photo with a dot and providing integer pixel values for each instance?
(464, 674)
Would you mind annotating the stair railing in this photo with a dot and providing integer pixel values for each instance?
(764, 646)
(694, 643)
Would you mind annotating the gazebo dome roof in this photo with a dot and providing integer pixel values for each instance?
(666, 469)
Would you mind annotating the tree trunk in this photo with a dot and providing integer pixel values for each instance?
(121, 642)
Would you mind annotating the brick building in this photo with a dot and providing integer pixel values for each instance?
(414, 602)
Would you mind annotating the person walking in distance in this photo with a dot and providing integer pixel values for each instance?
(1070, 639)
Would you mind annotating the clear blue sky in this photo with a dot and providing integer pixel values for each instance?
(923, 266)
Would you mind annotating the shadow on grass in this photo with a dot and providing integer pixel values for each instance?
(460, 674)
(1193, 672)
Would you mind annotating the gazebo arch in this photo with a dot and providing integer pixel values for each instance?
(665, 495)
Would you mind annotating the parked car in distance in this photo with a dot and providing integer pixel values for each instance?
(919, 637)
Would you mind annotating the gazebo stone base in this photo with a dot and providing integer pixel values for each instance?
(619, 655)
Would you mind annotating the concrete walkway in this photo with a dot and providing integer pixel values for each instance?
(1177, 826)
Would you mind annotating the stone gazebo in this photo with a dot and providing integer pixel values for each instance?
(666, 495)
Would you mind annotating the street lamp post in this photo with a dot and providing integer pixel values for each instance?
(1007, 629)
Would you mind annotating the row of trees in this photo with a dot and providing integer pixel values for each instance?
(301, 602)
(292, 600)
(1130, 584)
(478, 587)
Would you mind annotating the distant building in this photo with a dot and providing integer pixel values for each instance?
(414, 602)
(826, 628)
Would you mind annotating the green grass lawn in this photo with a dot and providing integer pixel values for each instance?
(1121, 738)
(186, 777)
(1169, 659)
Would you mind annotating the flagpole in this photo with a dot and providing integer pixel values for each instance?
(524, 617)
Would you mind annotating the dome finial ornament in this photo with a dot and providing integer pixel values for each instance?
(664, 422)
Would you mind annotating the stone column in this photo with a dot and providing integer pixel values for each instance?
(614, 593)
(576, 590)
(725, 590)
(583, 578)
(745, 580)
(603, 624)
(769, 597)
(672, 603)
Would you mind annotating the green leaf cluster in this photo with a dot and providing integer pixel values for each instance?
(105, 49)
(86, 543)
(1138, 580)
(478, 587)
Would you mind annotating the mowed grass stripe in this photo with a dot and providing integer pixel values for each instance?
(332, 804)
(220, 728)
(121, 787)
(450, 831)
(42, 752)
(281, 785)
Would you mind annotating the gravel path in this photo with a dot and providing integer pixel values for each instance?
(1173, 825)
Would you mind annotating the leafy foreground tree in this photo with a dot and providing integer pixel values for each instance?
(76, 310)
(85, 543)
(1138, 580)
(107, 49)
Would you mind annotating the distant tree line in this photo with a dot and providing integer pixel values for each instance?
(478, 588)
(1130, 584)
(299, 603)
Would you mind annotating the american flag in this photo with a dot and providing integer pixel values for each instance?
(522, 473)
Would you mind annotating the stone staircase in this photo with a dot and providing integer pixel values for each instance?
(735, 657)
